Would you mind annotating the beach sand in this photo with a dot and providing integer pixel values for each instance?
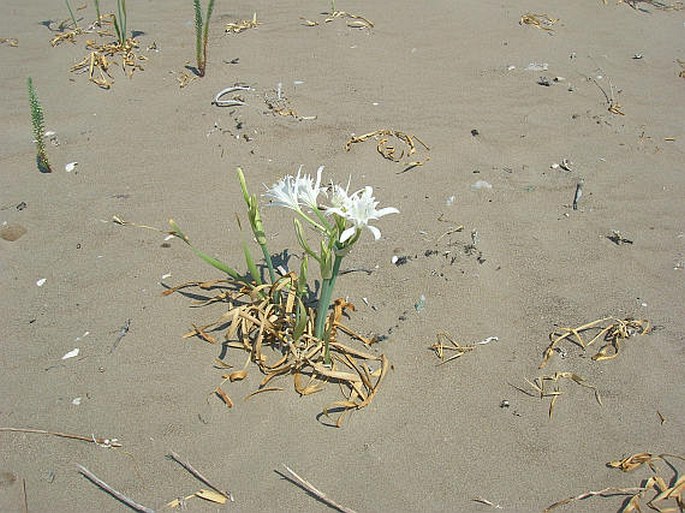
(453, 74)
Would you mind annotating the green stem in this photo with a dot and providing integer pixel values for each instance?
(322, 308)
(97, 12)
(269, 263)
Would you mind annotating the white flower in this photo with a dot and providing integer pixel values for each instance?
(284, 193)
(359, 208)
(296, 191)
(308, 190)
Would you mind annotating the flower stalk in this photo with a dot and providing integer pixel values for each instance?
(339, 221)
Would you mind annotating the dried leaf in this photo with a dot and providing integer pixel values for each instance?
(237, 375)
(632, 462)
(261, 391)
(224, 396)
(211, 495)
(261, 321)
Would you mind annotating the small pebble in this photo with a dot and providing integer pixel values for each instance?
(12, 232)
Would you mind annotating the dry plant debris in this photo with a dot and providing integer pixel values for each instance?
(351, 20)
(69, 35)
(540, 21)
(682, 71)
(97, 62)
(262, 321)
(446, 344)
(292, 476)
(12, 41)
(610, 330)
(242, 25)
(215, 495)
(661, 6)
(388, 150)
(278, 104)
(482, 500)
(113, 492)
(184, 79)
(666, 498)
(540, 384)
(612, 105)
(102, 442)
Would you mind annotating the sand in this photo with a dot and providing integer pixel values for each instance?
(435, 437)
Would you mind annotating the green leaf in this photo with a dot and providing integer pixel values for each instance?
(218, 264)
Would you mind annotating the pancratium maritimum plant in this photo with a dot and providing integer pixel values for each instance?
(268, 315)
(338, 217)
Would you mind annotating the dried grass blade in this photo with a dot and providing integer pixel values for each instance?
(204, 335)
(337, 375)
(605, 492)
(274, 373)
(309, 388)
(103, 442)
(224, 396)
(261, 391)
(342, 348)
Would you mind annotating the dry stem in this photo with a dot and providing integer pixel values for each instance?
(115, 493)
(318, 494)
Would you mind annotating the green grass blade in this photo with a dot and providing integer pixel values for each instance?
(71, 13)
(97, 11)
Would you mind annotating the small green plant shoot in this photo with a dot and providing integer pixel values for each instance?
(120, 22)
(97, 12)
(201, 35)
(38, 129)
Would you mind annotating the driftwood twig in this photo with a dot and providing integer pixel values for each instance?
(311, 489)
(115, 493)
(199, 476)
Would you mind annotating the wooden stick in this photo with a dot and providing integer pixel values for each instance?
(106, 442)
(199, 476)
(318, 494)
(118, 495)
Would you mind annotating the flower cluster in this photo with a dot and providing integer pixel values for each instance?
(351, 212)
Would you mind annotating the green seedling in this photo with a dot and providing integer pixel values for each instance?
(38, 122)
(201, 35)
(120, 22)
(97, 11)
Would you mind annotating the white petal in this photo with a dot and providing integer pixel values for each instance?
(387, 210)
(376, 232)
(347, 234)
